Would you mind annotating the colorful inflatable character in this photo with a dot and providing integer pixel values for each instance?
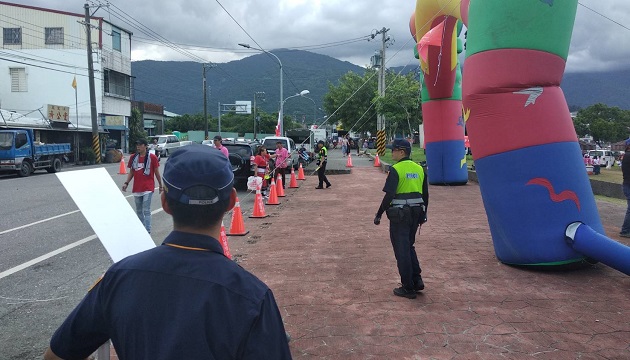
(437, 49)
(528, 161)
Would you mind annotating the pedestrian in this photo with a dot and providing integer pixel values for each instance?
(280, 158)
(218, 144)
(405, 204)
(596, 165)
(155, 149)
(344, 146)
(625, 170)
(262, 166)
(144, 167)
(349, 144)
(322, 160)
(184, 299)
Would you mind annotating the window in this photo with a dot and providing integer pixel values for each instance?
(116, 39)
(20, 140)
(54, 36)
(117, 84)
(12, 36)
(18, 79)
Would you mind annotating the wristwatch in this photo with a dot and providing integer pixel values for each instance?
(126, 183)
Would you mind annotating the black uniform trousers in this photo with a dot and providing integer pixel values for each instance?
(321, 175)
(402, 233)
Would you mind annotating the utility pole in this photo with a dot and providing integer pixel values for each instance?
(96, 146)
(379, 60)
(257, 94)
(205, 98)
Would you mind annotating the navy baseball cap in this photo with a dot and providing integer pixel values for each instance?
(401, 144)
(142, 142)
(198, 175)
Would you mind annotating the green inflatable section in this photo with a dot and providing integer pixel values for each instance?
(548, 26)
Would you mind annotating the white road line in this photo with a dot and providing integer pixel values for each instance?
(56, 217)
(38, 222)
(45, 256)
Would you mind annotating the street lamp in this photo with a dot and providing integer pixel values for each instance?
(281, 127)
(301, 93)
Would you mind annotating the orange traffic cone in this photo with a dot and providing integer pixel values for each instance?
(224, 242)
(237, 227)
(259, 207)
(293, 183)
(377, 161)
(123, 169)
(273, 196)
(301, 173)
(349, 162)
(279, 187)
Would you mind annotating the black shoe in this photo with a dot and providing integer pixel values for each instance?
(328, 185)
(626, 235)
(402, 292)
(319, 187)
(419, 286)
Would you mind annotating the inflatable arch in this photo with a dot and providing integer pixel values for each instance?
(541, 210)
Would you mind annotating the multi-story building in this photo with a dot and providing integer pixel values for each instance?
(44, 72)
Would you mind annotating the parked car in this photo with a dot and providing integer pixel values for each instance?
(241, 158)
(166, 143)
(605, 156)
(270, 144)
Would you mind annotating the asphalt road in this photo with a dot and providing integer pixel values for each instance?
(49, 257)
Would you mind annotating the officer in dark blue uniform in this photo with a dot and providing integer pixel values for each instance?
(184, 299)
(405, 203)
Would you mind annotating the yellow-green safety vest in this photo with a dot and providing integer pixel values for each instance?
(410, 177)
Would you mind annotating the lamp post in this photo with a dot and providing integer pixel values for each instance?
(301, 93)
(281, 114)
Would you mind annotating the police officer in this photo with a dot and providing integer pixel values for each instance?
(184, 299)
(322, 160)
(405, 204)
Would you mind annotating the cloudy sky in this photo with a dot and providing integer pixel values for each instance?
(211, 29)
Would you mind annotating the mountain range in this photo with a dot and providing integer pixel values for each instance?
(179, 85)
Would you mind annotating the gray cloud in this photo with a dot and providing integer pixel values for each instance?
(597, 44)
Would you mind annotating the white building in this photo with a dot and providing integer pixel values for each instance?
(43, 51)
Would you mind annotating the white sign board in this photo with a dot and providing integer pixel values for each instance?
(107, 211)
(243, 107)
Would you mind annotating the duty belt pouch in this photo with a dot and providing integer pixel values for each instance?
(399, 215)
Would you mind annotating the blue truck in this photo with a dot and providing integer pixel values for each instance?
(20, 154)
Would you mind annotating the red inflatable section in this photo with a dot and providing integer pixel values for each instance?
(507, 124)
(440, 77)
(501, 70)
(450, 124)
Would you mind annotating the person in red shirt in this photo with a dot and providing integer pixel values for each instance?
(144, 167)
(262, 160)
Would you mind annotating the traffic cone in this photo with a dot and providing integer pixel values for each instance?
(301, 173)
(349, 162)
(237, 227)
(293, 183)
(224, 242)
(273, 196)
(259, 207)
(279, 187)
(123, 169)
(377, 161)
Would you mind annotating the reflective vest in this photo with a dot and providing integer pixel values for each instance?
(323, 154)
(410, 179)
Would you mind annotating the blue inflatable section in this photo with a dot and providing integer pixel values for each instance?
(599, 247)
(530, 196)
(444, 162)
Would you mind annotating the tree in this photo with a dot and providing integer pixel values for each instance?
(357, 102)
(136, 127)
(607, 124)
(350, 102)
(401, 104)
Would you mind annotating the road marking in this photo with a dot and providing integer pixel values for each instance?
(38, 222)
(45, 256)
(57, 217)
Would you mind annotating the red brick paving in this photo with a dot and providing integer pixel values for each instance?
(332, 272)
